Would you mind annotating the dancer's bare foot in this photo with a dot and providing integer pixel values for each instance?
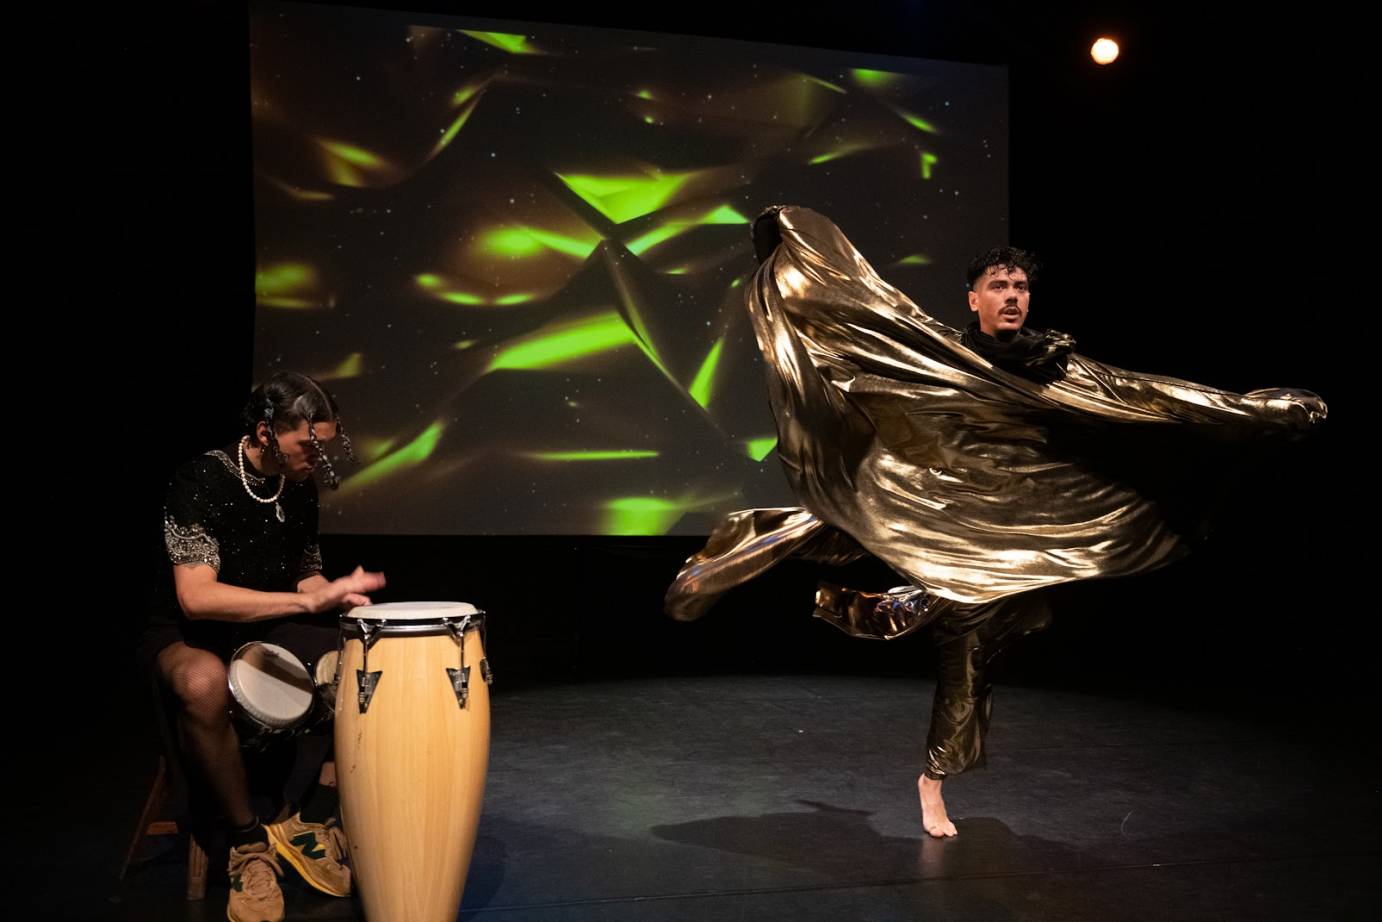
(933, 816)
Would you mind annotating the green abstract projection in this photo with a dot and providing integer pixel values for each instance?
(524, 241)
(723, 215)
(758, 449)
(505, 41)
(828, 85)
(642, 337)
(352, 165)
(449, 135)
(287, 285)
(463, 297)
(642, 515)
(352, 367)
(874, 79)
(353, 154)
(512, 242)
(642, 244)
(794, 100)
(675, 228)
(374, 449)
(284, 278)
(916, 121)
(623, 198)
(522, 250)
(469, 299)
(700, 389)
(410, 455)
(299, 193)
(579, 247)
(437, 287)
(610, 455)
(564, 342)
(839, 152)
(463, 95)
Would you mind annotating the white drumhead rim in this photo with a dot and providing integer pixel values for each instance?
(267, 697)
(411, 611)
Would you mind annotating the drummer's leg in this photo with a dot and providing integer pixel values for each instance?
(304, 833)
(197, 680)
(307, 638)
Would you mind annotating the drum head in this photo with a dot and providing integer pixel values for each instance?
(325, 672)
(271, 684)
(411, 611)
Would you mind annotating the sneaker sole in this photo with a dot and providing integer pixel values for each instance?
(233, 919)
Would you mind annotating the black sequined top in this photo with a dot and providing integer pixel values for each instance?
(208, 518)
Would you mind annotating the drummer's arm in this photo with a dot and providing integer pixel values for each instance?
(317, 583)
(312, 583)
(205, 598)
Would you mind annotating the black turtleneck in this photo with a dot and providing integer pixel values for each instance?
(1034, 354)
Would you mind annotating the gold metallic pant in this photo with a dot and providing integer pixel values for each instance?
(970, 638)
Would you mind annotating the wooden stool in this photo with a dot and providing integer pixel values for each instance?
(150, 825)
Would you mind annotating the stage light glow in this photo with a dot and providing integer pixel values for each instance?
(1104, 51)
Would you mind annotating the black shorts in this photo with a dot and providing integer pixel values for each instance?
(305, 636)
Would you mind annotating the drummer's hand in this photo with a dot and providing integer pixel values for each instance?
(348, 591)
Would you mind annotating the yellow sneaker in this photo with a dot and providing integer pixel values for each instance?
(254, 892)
(318, 851)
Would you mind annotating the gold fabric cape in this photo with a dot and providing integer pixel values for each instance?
(900, 442)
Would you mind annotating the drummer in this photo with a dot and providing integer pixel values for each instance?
(240, 525)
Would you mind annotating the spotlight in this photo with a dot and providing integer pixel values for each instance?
(1104, 51)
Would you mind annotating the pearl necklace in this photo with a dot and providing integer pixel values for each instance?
(278, 510)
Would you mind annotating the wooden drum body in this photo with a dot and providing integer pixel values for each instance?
(412, 748)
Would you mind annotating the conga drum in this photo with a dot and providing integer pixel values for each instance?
(326, 676)
(412, 747)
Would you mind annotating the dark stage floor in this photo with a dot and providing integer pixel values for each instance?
(793, 797)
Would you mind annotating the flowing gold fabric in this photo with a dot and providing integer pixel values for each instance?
(901, 442)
